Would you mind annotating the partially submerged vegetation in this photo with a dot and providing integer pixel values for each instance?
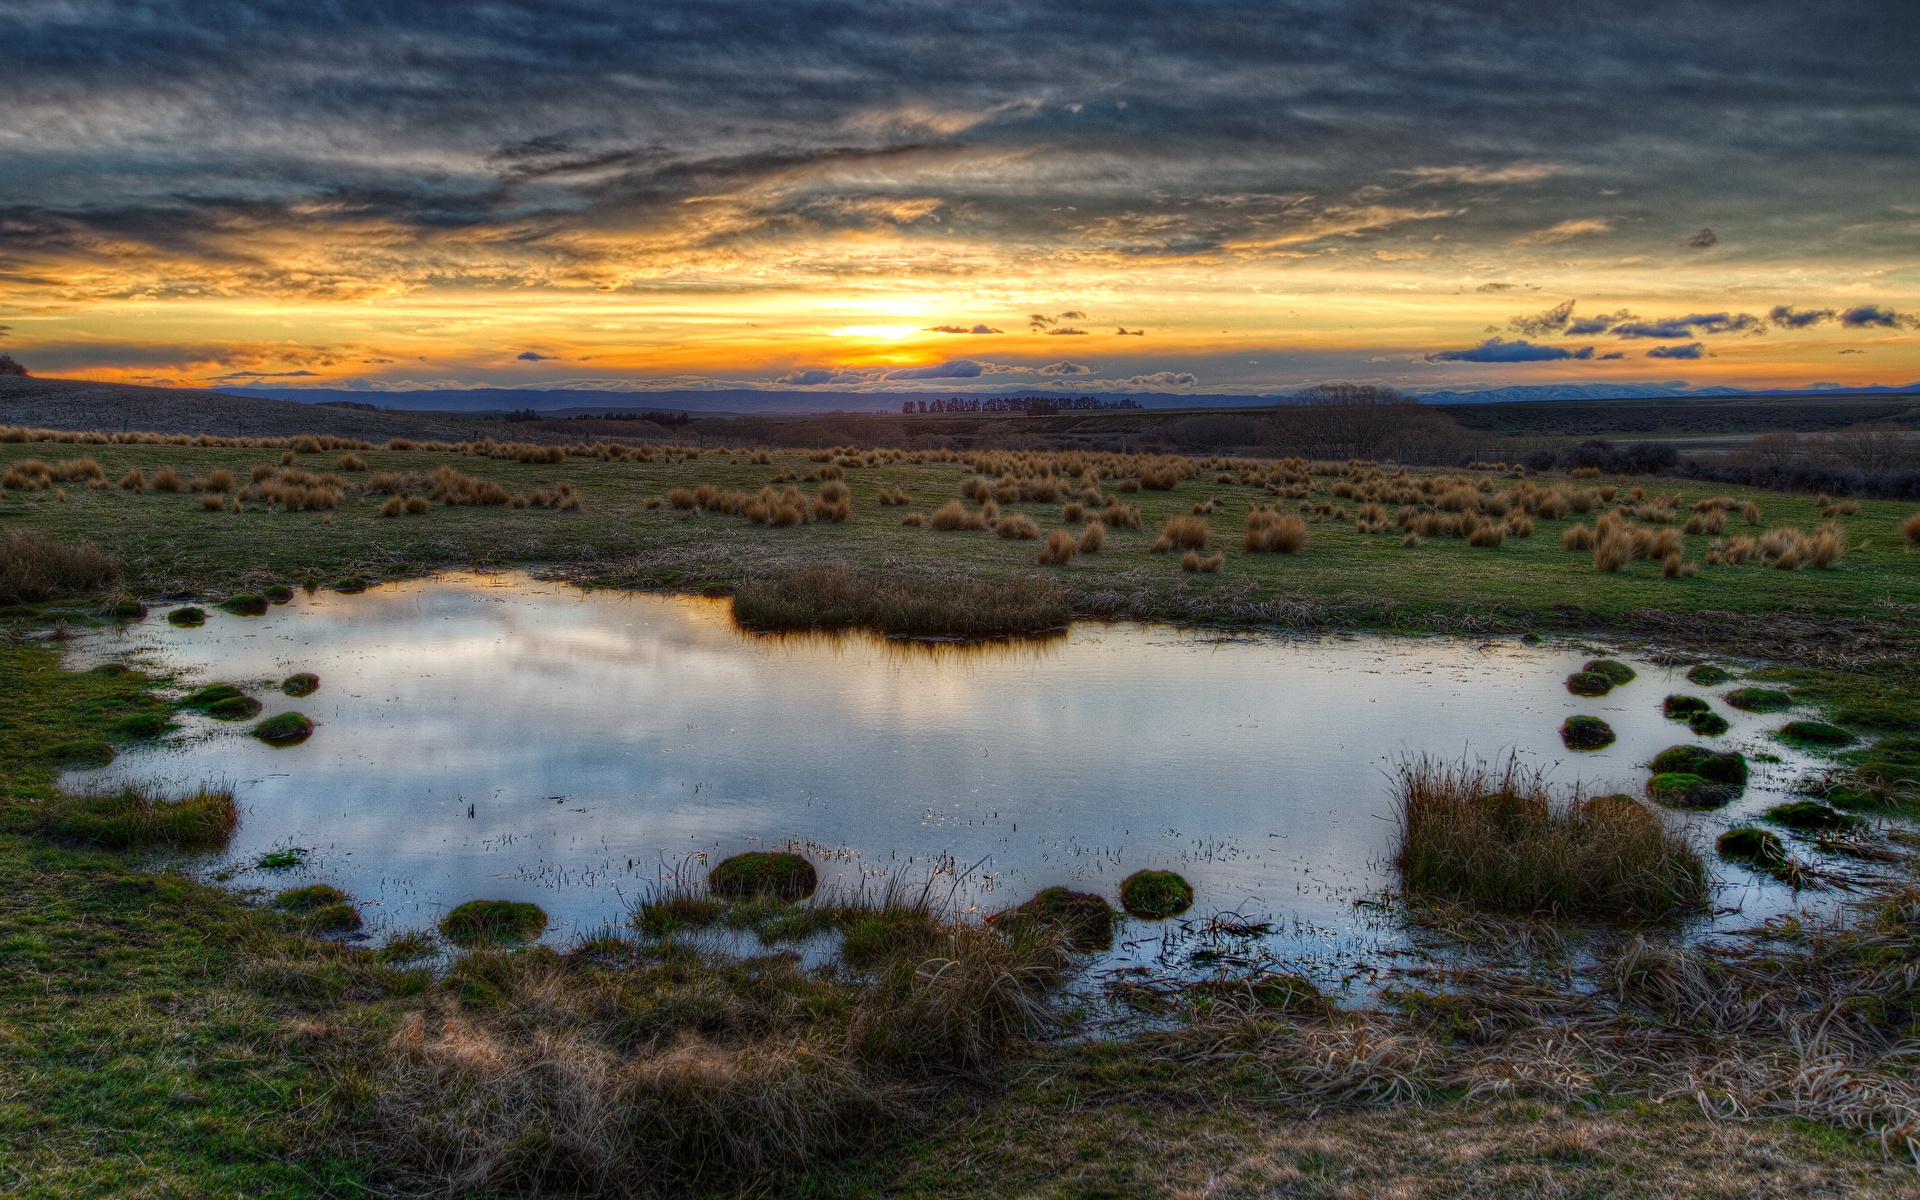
(840, 596)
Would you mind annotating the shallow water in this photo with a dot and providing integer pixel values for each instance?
(493, 736)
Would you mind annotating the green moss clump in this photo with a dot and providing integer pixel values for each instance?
(1679, 789)
(188, 617)
(334, 918)
(1708, 724)
(1759, 699)
(306, 683)
(1155, 895)
(81, 752)
(1589, 683)
(1617, 673)
(763, 873)
(129, 819)
(129, 610)
(478, 922)
(1810, 815)
(287, 729)
(139, 725)
(246, 604)
(1720, 766)
(1750, 845)
(1586, 733)
(1814, 733)
(350, 584)
(1085, 919)
(1708, 675)
(279, 593)
(310, 898)
(234, 708)
(213, 693)
(1682, 708)
(280, 860)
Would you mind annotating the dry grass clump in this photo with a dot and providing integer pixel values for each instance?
(350, 462)
(781, 510)
(915, 519)
(131, 818)
(1496, 836)
(1181, 533)
(1577, 537)
(31, 474)
(1487, 535)
(895, 496)
(134, 480)
(1120, 516)
(166, 479)
(1018, 527)
(1191, 561)
(954, 515)
(1059, 549)
(1270, 532)
(838, 596)
(1073, 512)
(34, 567)
(1093, 538)
(834, 503)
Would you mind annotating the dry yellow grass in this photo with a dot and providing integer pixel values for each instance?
(1093, 538)
(1181, 533)
(1271, 532)
(1059, 549)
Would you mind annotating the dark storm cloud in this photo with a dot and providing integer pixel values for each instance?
(150, 131)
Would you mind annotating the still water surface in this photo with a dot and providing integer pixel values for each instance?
(494, 736)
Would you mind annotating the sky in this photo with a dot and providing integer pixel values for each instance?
(889, 195)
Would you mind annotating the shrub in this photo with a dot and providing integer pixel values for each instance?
(306, 683)
(1083, 919)
(1181, 533)
(350, 462)
(481, 922)
(1814, 733)
(915, 519)
(1586, 733)
(1683, 708)
(34, 567)
(763, 873)
(1589, 683)
(1618, 673)
(188, 617)
(1720, 766)
(1750, 845)
(1759, 699)
(1708, 724)
(130, 819)
(1274, 533)
(837, 596)
(1155, 895)
(286, 729)
(1497, 837)
(1679, 789)
(1059, 549)
(393, 507)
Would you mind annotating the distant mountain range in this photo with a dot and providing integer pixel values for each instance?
(568, 402)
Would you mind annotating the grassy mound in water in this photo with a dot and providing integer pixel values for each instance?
(1683, 708)
(1682, 789)
(130, 819)
(320, 908)
(1753, 846)
(1496, 837)
(139, 726)
(1155, 895)
(1616, 672)
(1720, 766)
(85, 752)
(188, 617)
(1811, 816)
(279, 593)
(287, 729)
(223, 702)
(128, 610)
(837, 596)
(245, 605)
(479, 922)
(774, 873)
(1708, 675)
(1589, 683)
(1586, 733)
(1082, 918)
(1817, 734)
(1759, 699)
(1708, 724)
(306, 683)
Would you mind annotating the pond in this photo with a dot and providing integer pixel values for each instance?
(498, 737)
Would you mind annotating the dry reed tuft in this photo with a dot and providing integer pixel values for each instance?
(1612, 551)
(1073, 513)
(1577, 537)
(1059, 549)
(837, 596)
(1486, 535)
(1826, 548)
(166, 479)
(134, 480)
(834, 503)
(34, 567)
(1093, 538)
(1191, 561)
(1181, 533)
(1496, 836)
(915, 519)
(133, 819)
(1120, 516)
(1019, 527)
(1269, 532)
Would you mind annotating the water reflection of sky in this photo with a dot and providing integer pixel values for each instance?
(499, 737)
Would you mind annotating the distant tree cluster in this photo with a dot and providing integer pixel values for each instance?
(667, 419)
(1359, 420)
(521, 414)
(10, 365)
(1033, 406)
(1634, 458)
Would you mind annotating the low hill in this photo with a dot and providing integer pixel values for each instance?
(80, 404)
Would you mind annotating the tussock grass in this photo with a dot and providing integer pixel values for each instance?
(1496, 836)
(1017, 527)
(778, 874)
(1059, 549)
(1120, 516)
(1270, 532)
(1155, 895)
(132, 818)
(838, 596)
(486, 922)
(1586, 733)
(286, 729)
(953, 515)
(34, 567)
(1910, 530)
(1093, 538)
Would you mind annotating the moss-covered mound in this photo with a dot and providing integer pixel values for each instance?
(306, 683)
(279, 593)
(1750, 845)
(1683, 708)
(334, 918)
(287, 729)
(139, 725)
(1085, 919)
(1759, 699)
(1812, 816)
(245, 605)
(129, 610)
(478, 922)
(1589, 683)
(1155, 895)
(350, 584)
(763, 873)
(81, 752)
(213, 693)
(307, 899)
(1708, 675)
(1586, 733)
(1680, 789)
(188, 617)
(1720, 766)
(1616, 672)
(1708, 724)
(1814, 733)
(223, 702)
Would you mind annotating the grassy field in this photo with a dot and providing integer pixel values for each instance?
(174, 548)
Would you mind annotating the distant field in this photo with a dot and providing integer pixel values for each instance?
(1810, 413)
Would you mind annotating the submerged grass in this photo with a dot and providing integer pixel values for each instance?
(839, 596)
